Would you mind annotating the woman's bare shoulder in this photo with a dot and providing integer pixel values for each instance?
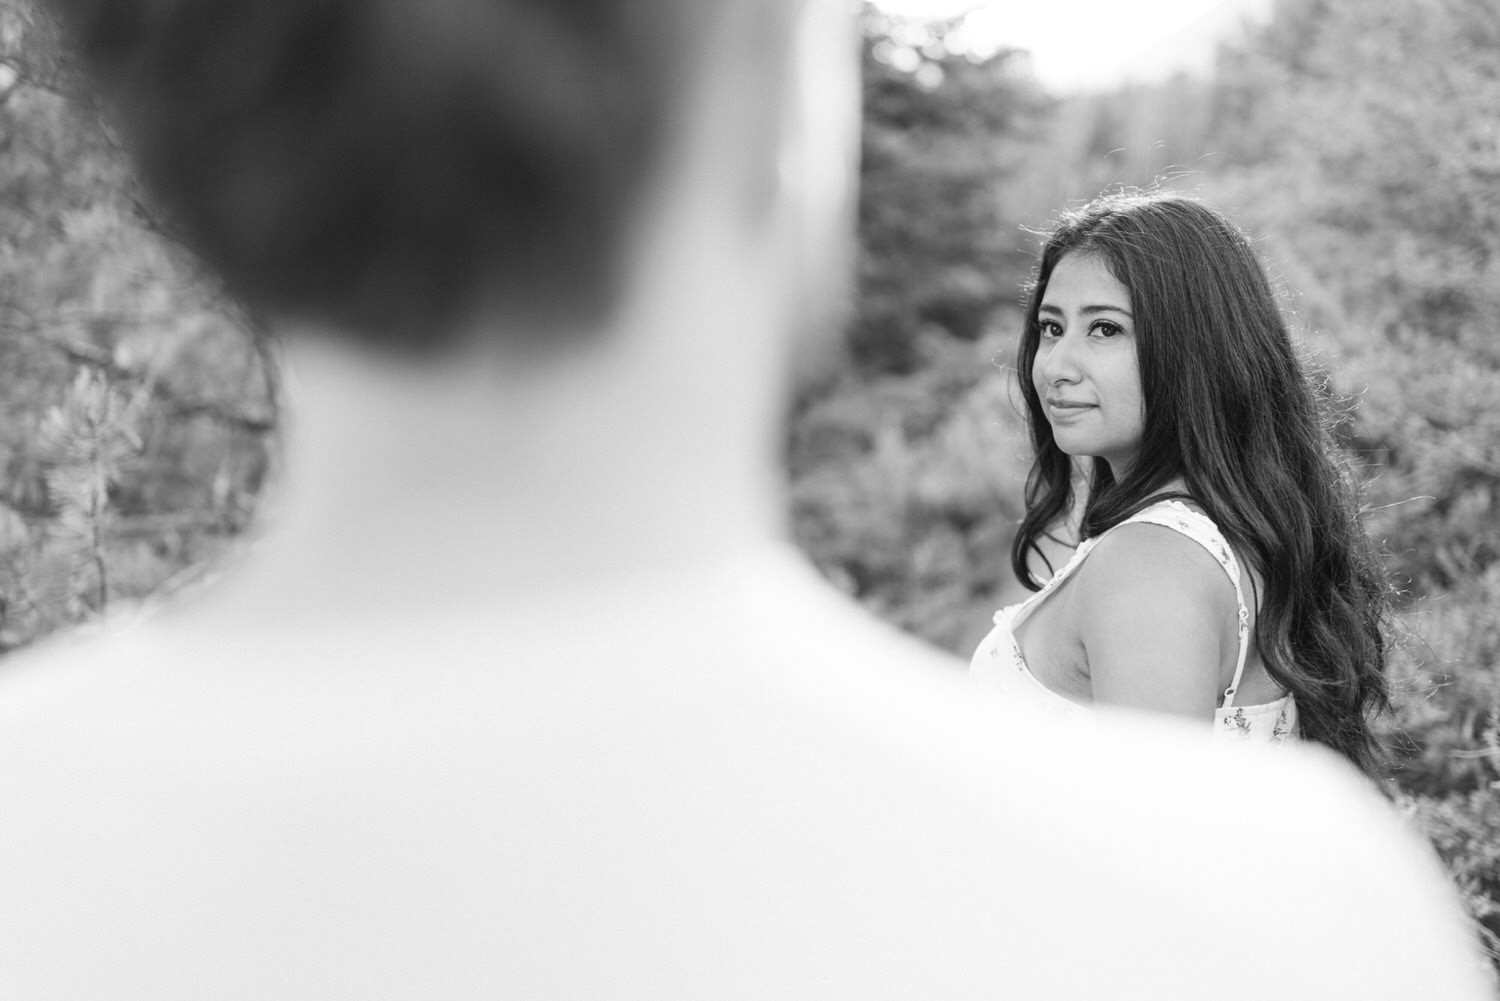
(1140, 566)
(1147, 551)
(1154, 612)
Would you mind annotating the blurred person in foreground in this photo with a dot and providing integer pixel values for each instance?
(1221, 571)
(525, 696)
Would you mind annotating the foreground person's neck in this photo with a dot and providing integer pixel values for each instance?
(410, 483)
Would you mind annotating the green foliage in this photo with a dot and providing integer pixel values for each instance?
(137, 407)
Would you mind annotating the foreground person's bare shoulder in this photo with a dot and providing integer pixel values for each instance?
(1287, 868)
(827, 812)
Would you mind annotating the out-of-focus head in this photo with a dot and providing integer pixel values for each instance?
(390, 168)
(1212, 343)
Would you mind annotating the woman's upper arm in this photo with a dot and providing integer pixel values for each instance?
(1153, 611)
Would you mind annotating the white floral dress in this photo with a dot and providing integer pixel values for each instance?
(998, 662)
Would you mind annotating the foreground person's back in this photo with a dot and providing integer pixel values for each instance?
(700, 784)
(522, 698)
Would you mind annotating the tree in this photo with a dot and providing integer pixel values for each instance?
(942, 131)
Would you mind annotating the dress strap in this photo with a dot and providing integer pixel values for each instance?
(1073, 562)
(1201, 529)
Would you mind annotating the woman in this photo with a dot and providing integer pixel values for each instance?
(1222, 571)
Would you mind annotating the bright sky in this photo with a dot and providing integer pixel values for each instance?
(1085, 44)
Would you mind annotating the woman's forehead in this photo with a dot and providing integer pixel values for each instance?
(1086, 273)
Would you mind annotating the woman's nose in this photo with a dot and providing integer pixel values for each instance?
(1055, 362)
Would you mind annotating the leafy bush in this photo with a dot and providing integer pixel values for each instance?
(906, 490)
(139, 410)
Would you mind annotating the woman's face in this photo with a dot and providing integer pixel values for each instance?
(1085, 369)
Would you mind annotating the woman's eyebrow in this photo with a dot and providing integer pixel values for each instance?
(1047, 307)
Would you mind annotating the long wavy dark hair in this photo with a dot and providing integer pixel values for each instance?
(1230, 410)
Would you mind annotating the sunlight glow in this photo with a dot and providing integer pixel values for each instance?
(1092, 44)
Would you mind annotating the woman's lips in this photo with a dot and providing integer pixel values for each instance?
(1063, 410)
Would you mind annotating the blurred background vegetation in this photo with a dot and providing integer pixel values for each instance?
(1358, 140)
(139, 411)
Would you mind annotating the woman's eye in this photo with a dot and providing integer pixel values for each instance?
(1049, 329)
(1106, 329)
